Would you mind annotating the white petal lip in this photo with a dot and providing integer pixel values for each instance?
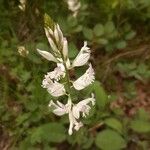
(47, 55)
(85, 80)
(83, 107)
(57, 73)
(59, 108)
(56, 89)
(83, 56)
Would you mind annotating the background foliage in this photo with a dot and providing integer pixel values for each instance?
(118, 33)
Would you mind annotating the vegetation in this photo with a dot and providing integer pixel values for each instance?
(117, 33)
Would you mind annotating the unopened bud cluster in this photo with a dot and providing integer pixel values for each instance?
(54, 84)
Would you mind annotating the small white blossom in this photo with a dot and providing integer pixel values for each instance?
(22, 5)
(59, 108)
(56, 89)
(47, 55)
(86, 79)
(82, 57)
(58, 72)
(22, 51)
(74, 6)
(83, 107)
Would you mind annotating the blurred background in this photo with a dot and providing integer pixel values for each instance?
(118, 33)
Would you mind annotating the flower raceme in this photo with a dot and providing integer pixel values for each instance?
(53, 80)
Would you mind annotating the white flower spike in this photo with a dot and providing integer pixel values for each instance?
(83, 56)
(52, 79)
(85, 80)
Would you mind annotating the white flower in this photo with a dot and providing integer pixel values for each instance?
(83, 107)
(22, 5)
(74, 6)
(47, 55)
(86, 79)
(82, 57)
(58, 72)
(61, 109)
(56, 89)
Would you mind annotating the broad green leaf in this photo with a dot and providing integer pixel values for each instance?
(98, 29)
(50, 132)
(110, 140)
(140, 126)
(88, 33)
(100, 94)
(114, 123)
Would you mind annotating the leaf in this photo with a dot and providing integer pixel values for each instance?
(88, 33)
(130, 35)
(114, 124)
(109, 27)
(102, 41)
(110, 140)
(72, 50)
(140, 126)
(98, 29)
(121, 44)
(100, 94)
(50, 132)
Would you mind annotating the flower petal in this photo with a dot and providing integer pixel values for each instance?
(86, 79)
(56, 89)
(65, 48)
(58, 109)
(47, 55)
(49, 35)
(82, 57)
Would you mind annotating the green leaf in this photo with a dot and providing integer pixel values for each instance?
(50, 132)
(121, 44)
(110, 140)
(100, 94)
(109, 27)
(98, 29)
(140, 126)
(130, 35)
(102, 41)
(72, 50)
(114, 124)
(88, 33)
